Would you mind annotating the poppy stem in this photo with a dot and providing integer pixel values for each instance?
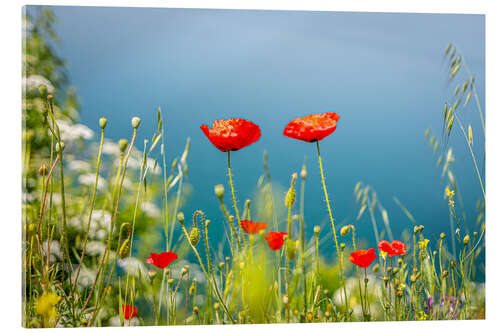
(341, 270)
(234, 196)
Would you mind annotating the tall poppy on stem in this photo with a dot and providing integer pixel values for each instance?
(129, 311)
(231, 135)
(161, 260)
(363, 258)
(253, 227)
(275, 240)
(395, 248)
(314, 128)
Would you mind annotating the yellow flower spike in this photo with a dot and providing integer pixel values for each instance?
(45, 306)
(423, 244)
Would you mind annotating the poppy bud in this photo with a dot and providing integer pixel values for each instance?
(194, 236)
(207, 222)
(42, 170)
(50, 97)
(123, 143)
(345, 230)
(42, 89)
(227, 259)
(395, 270)
(290, 195)
(124, 249)
(445, 273)
(400, 261)
(170, 281)
(475, 234)
(291, 250)
(442, 235)
(103, 122)
(415, 229)
(167, 271)
(242, 265)
(413, 278)
(342, 246)
(303, 172)
(192, 290)
(136, 121)
(221, 265)
(466, 239)
(285, 299)
(216, 306)
(60, 147)
(327, 314)
(376, 268)
(180, 217)
(317, 230)
(389, 270)
(219, 191)
(184, 270)
(262, 233)
(195, 309)
(152, 274)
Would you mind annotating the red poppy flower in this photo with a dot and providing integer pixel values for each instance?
(253, 227)
(161, 260)
(275, 240)
(314, 127)
(232, 134)
(129, 311)
(363, 258)
(395, 248)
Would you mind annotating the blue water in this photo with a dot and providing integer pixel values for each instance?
(384, 75)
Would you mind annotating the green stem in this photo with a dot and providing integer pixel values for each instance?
(234, 197)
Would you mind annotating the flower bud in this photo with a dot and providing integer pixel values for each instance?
(475, 234)
(317, 230)
(207, 222)
(167, 271)
(376, 268)
(152, 274)
(345, 230)
(221, 265)
(395, 270)
(466, 239)
(184, 270)
(180, 217)
(136, 121)
(285, 299)
(303, 172)
(123, 143)
(291, 250)
(42, 170)
(170, 281)
(124, 249)
(194, 236)
(60, 147)
(442, 235)
(216, 306)
(219, 191)
(42, 89)
(195, 309)
(342, 246)
(445, 273)
(242, 265)
(290, 197)
(103, 122)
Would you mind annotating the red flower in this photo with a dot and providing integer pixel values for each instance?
(232, 134)
(314, 127)
(363, 258)
(395, 248)
(253, 227)
(129, 311)
(275, 240)
(161, 260)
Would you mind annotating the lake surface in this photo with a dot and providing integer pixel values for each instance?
(384, 74)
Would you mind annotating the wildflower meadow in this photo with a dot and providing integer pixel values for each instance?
(108, 241)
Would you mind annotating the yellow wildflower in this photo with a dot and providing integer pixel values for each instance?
(451, 203)
(46, 306)
(383, 254)
(421, 315)
(423, 244)
(449, 193)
